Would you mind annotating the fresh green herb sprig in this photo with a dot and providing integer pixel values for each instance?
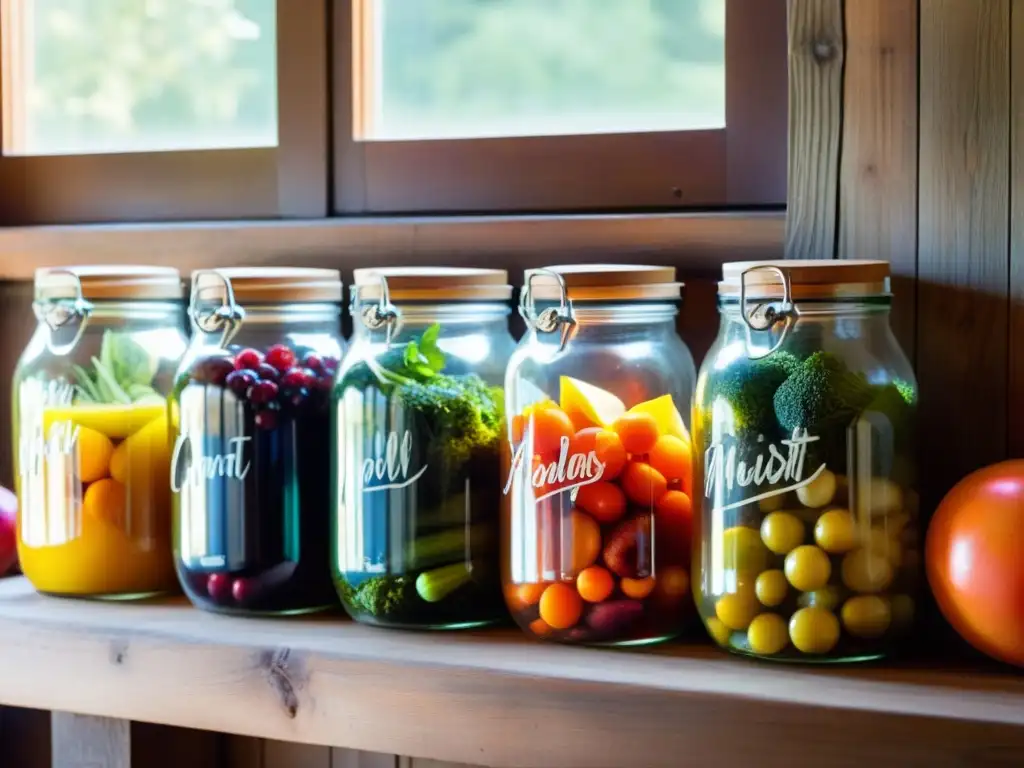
(122, 375)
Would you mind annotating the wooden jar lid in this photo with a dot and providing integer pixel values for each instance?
(809, 279)
(433, 284)
(109, 282)
(604, 282)
(261, 285)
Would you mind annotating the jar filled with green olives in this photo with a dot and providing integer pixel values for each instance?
(805, 510)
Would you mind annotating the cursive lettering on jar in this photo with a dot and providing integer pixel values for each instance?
(567, 472)
(196, 468)
(35, 448)
(389, 468)
(770, 467)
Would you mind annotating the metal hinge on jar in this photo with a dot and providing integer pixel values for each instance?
(764, 316)
(57, 314)
(553, 318)
(383, 314)
(227, 318)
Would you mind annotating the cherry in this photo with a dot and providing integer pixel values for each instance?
(219, 586)
(297, 377)
(239, 381)
(211, 370)
(248, 358)
(266, 419)
(262, 392)
(244, 589)
(313, 362)
(268, 372)
(280, 357)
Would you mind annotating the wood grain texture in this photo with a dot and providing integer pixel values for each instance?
(242, 751)
(353, 758)
(816, 55)
(963, 238)
(692, 242)
(878, 175)
(282, 754)
(470, 698)
(1016, 340)
(85, 741)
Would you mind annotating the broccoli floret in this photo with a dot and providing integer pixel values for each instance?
(377, 595)
(749, 389)
(892, 401)
(461, 415)
(820, 395)
(907, 391)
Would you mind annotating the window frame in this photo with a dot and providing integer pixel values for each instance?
(742, 165)
(284, 181)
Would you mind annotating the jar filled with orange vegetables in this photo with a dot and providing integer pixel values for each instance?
(597, 507)
(90, 429)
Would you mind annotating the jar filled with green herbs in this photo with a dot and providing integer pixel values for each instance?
(418, 424)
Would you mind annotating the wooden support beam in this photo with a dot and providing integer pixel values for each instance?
(84, 741)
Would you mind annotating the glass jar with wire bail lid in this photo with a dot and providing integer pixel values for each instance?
(90, 430)
(596, 519)
(250, 471)
(806, 512)
(418, 412)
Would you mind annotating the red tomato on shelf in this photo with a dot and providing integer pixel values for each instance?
(974, 557)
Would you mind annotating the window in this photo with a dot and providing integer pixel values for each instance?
(164, 110)
(535, 105)
(159, 109)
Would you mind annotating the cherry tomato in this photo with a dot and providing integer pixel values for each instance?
(560, 606)
(643, 484)
(549, 426)
(595, 584)
(674, 459)
(638, 431)
(604, 501)
(606, 445)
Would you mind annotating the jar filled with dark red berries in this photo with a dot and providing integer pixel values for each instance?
(418, 428)
(250, 466)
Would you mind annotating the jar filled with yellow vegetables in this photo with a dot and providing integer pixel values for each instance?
(92, 454)
(805, 510)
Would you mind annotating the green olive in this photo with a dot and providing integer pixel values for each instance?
(866, 571)
(771, 587)
(826, 597)
(737, 609)
(814, 630)
(781, 532)
(866, 616)
(767, 634)
(808, 568)
(718, 631)
(836, 531)
(819, 492)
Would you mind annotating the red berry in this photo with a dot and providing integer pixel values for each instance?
(281, 357)
(262, 392)
(219, 586)
(248, 358)
(313, 362)
(268, 372)
(211, 370)
(297, 377)
(244, 589)
(240, 381)
(266, 419)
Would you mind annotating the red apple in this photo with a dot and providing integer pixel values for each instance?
(8, 535)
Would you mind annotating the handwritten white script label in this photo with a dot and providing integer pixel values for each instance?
(568, 472)
(390, 468)
(231, 465)
(772, 466)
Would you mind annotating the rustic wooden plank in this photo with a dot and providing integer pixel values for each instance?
(963, 238)
(694, 242)
(242, 751)
(878, 176)
(24, 738)
(283, 754)
(470, 698)
(816, 54)
(1016, 341)
(84, 741)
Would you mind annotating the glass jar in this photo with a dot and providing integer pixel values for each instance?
(90, 426)
(250, 470)
(419, 419)
(806, 539)
(596, 519)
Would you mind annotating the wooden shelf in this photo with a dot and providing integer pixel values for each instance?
(488, 698)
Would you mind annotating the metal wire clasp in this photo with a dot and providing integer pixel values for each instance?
(787, 312)
(227, 318)
(553, 318)
(57, 313)
(383, 314)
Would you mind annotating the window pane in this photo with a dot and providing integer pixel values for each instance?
(141, 75)
(475, 68)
